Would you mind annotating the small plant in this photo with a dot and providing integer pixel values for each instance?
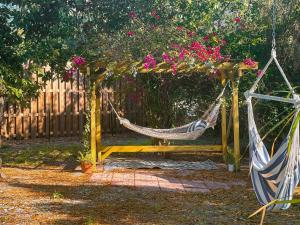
(230, 159)
(85, 157)
(86, 162)
(57, 195)
(89, 221)
(230, 156)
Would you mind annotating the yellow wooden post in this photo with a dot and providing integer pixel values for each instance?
(98, 125)
(93, 122)
(223, 119)
(235, 114)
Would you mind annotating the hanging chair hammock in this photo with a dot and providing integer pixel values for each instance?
(190, 131)
(273, 178)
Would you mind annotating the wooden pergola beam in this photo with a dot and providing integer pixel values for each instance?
(227, 71)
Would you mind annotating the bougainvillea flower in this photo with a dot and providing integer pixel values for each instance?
(146, 66)
(157, 17)
(191, 33)
(132, 15)
(181, 55)
(249, 62)
(217, 53)
(69, 74)
(237, 19)
(153, 13)
(130, 33)
(166, 58)
(174, 68)
(149, 61)
(206, 37)
(78, 61)
(259, 73)
(180, 28)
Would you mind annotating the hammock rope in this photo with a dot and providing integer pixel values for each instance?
(190, 131)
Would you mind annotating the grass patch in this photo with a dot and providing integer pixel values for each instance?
(46, 154)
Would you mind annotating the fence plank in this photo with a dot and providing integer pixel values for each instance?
(60, 109)
(55, 116)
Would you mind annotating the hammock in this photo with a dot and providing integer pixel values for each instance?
(190, 131)
(273, 178)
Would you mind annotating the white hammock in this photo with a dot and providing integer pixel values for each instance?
(190, 131)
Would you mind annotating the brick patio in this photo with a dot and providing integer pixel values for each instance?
(158, 182)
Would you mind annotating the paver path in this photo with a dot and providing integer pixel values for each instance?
(157, 182)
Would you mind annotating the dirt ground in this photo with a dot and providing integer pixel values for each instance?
(45, 193)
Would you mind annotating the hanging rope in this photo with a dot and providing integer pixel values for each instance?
(273, 25)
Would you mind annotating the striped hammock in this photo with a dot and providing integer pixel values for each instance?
(190, 131)
(276, 177)
(273, 178)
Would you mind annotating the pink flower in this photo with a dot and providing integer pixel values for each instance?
(259, 73)
(217, 54)
(132, 15)
(237, 19)
(130, 33)
(180, 28)
(146, 66)
(153, 13)
(78, 61)
(249, 62)
(174, 68)
(157, 17)
(149, 61)
(181, 55)
(68, 74)
(166, 58)
(206, 37)
(191, 34)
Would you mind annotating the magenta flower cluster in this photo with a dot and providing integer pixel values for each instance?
(78, 60)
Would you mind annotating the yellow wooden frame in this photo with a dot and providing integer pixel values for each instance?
(227, 73)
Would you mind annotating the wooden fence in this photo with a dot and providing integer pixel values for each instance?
(60, 108)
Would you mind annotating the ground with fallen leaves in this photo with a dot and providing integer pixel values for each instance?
(37, 189)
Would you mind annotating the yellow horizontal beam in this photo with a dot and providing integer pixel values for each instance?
(161, 148)
(107, 150)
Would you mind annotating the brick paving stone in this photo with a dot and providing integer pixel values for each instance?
(96, 177)
(202, 190)
(194, 184)
(141, 176)
(157, 182)
(216, 185)
(123, 182)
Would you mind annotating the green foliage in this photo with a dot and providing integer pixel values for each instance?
(85, 157)
(57, 195)
(230, 156)
(36, 33)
